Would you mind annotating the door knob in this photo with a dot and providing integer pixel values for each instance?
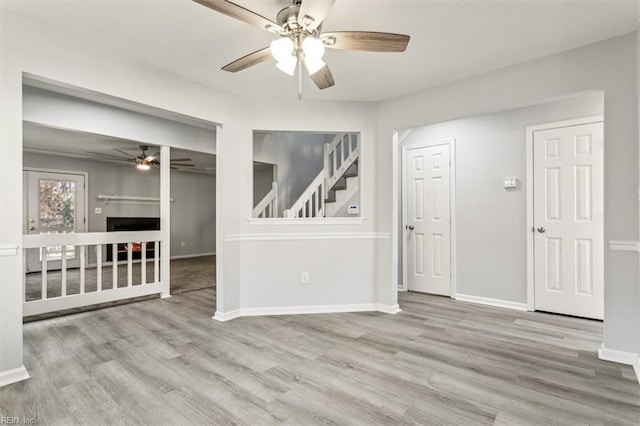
(32, 228)
(409, 227)
(542, 230)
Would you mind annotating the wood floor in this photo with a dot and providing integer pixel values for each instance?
(437, 362)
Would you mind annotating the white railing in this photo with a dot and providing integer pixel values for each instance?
(268, 206)
(339, 155)
(311, 203)
(82, 242)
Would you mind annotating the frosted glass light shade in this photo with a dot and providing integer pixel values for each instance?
(281, 48)
(313, 64)
(287, 65)
(313, 47)
(143, 166)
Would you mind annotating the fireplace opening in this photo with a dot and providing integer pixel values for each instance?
(121, 224)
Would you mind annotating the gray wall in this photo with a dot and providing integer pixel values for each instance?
(192, 212)
(489, 148)
(262, 180)
(299, 157)
(609, 66)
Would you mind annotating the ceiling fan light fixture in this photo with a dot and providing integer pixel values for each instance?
(143, 166)
(313, 47)
(288, 65)
(313, 64)
(282, 49)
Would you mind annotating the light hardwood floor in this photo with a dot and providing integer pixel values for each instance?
(437, 362)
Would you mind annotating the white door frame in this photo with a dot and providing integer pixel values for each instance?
(530, 130)
(85, 224)
(452, 204)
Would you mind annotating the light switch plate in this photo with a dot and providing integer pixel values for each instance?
(510, 183)
(98, 210)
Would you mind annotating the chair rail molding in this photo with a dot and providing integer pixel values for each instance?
(9, 249)
(308, 236)
(620, 245)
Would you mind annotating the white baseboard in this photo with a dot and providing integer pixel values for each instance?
(226, 316)
(614, 355)
(492, 302)
(300, 310)
(389, 309)
(13, 376)
(189, 256)
(621, 357)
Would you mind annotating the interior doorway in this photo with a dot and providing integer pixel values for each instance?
(55, 203)
(567, 227)
(427, 217)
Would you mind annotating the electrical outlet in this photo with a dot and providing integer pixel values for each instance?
(183, 243)
(304, 278)
(98, 210)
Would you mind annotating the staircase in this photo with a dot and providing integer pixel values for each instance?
(336, 184)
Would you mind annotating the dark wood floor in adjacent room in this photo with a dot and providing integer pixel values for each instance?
(165, 361)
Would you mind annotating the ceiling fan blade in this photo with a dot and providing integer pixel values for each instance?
(313, 12)
(366, 40)
(323, 78)
(115, 157)
(182, 165)
(180, 159)
(240, 13)
(122, 152)
(248, 61)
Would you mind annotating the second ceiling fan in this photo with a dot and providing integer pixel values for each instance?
(302, 40)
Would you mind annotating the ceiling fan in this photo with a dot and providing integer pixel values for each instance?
(302, 40)
(144, 161)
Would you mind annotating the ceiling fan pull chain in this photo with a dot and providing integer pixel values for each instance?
(299, 77)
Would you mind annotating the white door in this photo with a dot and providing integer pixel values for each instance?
(54, 203)
(568, 217)
(427, 208)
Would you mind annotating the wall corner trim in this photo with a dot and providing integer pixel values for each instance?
(302, 310)
(492, 302)
(12, 376)
(226, 316)
(619, 245)
(9, 249)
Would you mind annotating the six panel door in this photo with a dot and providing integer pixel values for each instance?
(428, 219)
(568, 217)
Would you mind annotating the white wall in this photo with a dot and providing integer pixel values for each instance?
(40, 51)
(491, 221)
(65, 112)
(609, 66)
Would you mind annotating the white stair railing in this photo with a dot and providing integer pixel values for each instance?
(311, 202)
(125, 242)
(268, 206)
(339, 155)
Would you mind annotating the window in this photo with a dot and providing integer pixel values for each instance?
(306, 175)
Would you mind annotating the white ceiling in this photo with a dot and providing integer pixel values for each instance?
(67, 143)
(450, 40)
